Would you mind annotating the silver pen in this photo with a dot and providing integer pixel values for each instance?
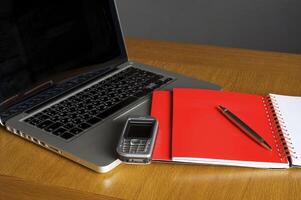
(244, 127)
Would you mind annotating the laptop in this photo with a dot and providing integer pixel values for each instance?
(66, 83)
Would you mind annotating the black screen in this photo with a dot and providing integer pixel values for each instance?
(53, 40)
(139, 130)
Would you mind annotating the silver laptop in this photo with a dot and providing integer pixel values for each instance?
(65, 80)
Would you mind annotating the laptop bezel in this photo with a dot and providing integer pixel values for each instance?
(114, 63)
(119, 33)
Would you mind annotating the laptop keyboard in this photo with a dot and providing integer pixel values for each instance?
(78, 113)
(58, 90)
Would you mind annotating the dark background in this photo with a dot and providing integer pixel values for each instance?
(255, 24)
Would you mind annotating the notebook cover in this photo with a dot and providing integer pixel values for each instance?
(201, 131)
(162, 111)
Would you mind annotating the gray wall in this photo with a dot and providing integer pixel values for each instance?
(255, 24)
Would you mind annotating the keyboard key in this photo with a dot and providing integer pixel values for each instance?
(42, 117)
(159, 82)
(93, 112)
(73, 115)
(90, 107)
(59, 131)
(85, 116)
(109, 103)
(93, 120)
(167, 80)
(66, 120)
(28, 120)
(81, 111)
(35, 122)
(142, 92)
(55, 118)
(101, 108)
(53, 127)
(69, 126)
(72, 109)
(84, 126)
(116, 107)
(78, 120)
(37, 115)
(152, 86)
(45, 124)
(75, 131)
(66, 136)
(123, 95)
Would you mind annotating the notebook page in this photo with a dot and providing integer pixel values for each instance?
(289, 109)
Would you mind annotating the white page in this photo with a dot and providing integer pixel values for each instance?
(289, 109)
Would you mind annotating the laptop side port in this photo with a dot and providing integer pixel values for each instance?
(16, 132)
(21, 134)
(28, 137)
(9, 129)
(54, 149)
(34, 140)
(43, 144)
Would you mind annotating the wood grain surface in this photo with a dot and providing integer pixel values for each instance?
(235, 70)
(13, 188)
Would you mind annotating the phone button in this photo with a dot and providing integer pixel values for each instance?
(133, 151)
(126, 142)
(143, 142)
(133, 147)
(135, 141)
(141, 150)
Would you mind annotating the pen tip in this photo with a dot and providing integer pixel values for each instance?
(221, 107)
(267, 146)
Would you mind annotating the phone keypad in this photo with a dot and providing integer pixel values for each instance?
(135, 146)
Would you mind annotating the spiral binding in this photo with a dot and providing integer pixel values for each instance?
(281, 135)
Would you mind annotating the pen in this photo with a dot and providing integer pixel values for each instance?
(244, 127)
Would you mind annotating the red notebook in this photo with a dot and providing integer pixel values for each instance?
(201, 134)
(162, 111)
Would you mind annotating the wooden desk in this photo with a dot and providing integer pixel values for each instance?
(235, 70)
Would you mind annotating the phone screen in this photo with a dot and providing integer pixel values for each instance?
(139, 130)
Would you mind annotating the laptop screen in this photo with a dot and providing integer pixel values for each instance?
(49, 41)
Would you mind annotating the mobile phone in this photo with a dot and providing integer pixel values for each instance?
(137, 140)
